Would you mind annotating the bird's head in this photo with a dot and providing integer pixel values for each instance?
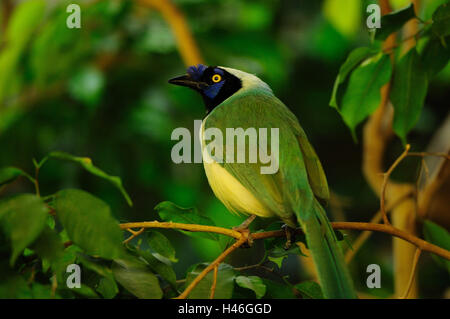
(215, 84)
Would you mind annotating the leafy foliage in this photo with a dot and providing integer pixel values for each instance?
(410, 75)
(438, 236)
(73, 226)
(10, 174)
(224, 287)
(391, 22)
(23, 218)
(134, 276)
(309, 290)
(363, 94)
(409, 88)
(254, 283)
(172, 213)
(81, 214)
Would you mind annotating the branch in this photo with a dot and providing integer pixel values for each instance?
(385, 181)
(188, 227)
(175, 18)
(214, 264)
(413, 273)
(134, 234)
(377, 133)
(7, 8)
(416, 241)
(388, 229)
(214, 284)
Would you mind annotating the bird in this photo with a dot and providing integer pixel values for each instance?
(296, 193)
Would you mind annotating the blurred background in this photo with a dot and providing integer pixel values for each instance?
(101, 91)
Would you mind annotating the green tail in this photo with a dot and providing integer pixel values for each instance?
(331, 268)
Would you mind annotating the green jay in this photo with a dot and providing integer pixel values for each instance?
(236, 99)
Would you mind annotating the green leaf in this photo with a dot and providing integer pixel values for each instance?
(86, 163)
(252, 282)
(85, 291)
(13, 286)
(107, 285)
(309, 290)
(353, 60)
(276, 290)
(393, 21)
(439, 236)
(363, 95)
(135, 277)
(22, 218)
(170, 212)
(408, 92)
(441, 20)
(89, 223)
(159, 267)
(277, 260)
(10, 174)
(224, 285)
(435, 56)
(51, 250)
(278, 251)
(40, 291)
(97, 265)
(160, 244)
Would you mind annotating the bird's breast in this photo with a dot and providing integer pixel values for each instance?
(227, 188)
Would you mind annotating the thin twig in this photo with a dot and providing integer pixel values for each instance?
(54, 286)
(134, 234)
(36, 177)
(214, 283)
(423, 154)
(388, 229)
(364, 236)
(413, 273)
(385, 182)
(211, 266)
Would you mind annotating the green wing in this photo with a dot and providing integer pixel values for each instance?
(316, 175)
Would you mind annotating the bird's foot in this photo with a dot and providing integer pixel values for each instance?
(290, 236)
(245, 231)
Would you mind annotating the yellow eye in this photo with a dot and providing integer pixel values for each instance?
(216, 78)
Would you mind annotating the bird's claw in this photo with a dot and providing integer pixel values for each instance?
(290, 236)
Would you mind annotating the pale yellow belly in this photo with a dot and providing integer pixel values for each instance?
(229, 190)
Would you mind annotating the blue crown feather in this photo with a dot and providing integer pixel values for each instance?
(196, 72)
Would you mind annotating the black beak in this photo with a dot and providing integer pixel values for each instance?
(186, 80)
